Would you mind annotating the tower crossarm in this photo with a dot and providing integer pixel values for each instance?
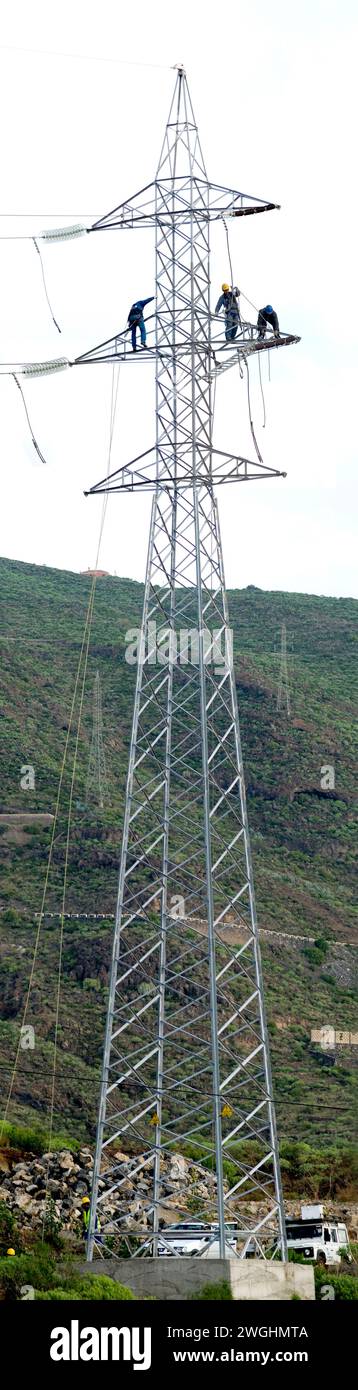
(161, 473)
(118, 348)
(142, 209)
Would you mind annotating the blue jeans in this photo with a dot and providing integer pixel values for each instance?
(231, 326)
(143, 336)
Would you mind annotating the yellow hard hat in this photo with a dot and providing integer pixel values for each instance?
(85, 1200)
(10, 1251)
(225, 287)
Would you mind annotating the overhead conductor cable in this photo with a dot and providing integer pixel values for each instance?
(45, 286)
(34, 441)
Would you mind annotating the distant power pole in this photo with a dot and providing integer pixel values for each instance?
(96, 784)
(283, 693)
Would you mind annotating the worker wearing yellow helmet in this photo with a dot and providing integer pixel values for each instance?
(86, 1212)
(10, 1251)
(229, 302)
(85, 1204)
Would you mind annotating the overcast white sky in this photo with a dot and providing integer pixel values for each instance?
(273, 88)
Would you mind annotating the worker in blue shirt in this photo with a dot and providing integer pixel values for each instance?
(268, 315)
(229, 302)
(136, 320)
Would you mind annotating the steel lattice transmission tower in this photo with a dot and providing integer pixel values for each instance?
(186, 1053)
(283, 692)
(96, 782)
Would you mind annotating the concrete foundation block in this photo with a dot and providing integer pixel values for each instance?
(179, 1278)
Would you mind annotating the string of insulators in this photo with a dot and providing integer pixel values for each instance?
(63, 233)
(58, 364)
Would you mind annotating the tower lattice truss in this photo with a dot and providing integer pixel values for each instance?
(186, 1063)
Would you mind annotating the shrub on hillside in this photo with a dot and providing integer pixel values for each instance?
(345, 1285)
(35, 1141)
(37, 1269)
(89, 1287)
(8, 1229)
(213, 1292)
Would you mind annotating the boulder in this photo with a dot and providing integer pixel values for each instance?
(178, 1167)
(26, 1204)
(66, 1162)
(5, 1161)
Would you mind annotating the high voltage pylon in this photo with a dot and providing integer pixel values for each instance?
(186, 1056)
(96, 782)
(283, 692)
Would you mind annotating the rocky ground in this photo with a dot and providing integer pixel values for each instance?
(64, 1178)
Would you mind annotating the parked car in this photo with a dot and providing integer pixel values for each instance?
(195, 1238)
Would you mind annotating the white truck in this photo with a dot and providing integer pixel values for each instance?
(316, 1238)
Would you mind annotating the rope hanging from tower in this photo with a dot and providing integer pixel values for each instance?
(253, 306)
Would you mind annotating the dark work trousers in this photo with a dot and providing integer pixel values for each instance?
(138, 323)
(231, 325)
(264, 319)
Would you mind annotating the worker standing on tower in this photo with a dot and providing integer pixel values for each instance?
(229, 302)
(136, 320)
(86, 1212)
(268, 315)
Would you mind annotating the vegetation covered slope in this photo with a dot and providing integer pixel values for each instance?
(302, 832)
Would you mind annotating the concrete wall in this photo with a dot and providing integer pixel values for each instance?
(178, 1278)
(261, 1279)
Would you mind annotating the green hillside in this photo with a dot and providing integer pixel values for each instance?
(302, 834)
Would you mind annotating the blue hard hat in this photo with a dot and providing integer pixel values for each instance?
(268, 309)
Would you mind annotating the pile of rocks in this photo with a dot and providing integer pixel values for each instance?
(66, 1178)
(187, 1189)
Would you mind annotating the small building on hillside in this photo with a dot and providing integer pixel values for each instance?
(95, 574)
(328, 1039)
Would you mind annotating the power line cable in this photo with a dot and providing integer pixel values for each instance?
(84, 649)
(45, 286)
(34, 441)
(113, 407)
(82, 57)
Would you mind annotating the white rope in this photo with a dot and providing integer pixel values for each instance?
(263, 398)
(250, 416)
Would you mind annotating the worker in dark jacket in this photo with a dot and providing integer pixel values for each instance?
(268, 315)
(229, 302)
(136, 320)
